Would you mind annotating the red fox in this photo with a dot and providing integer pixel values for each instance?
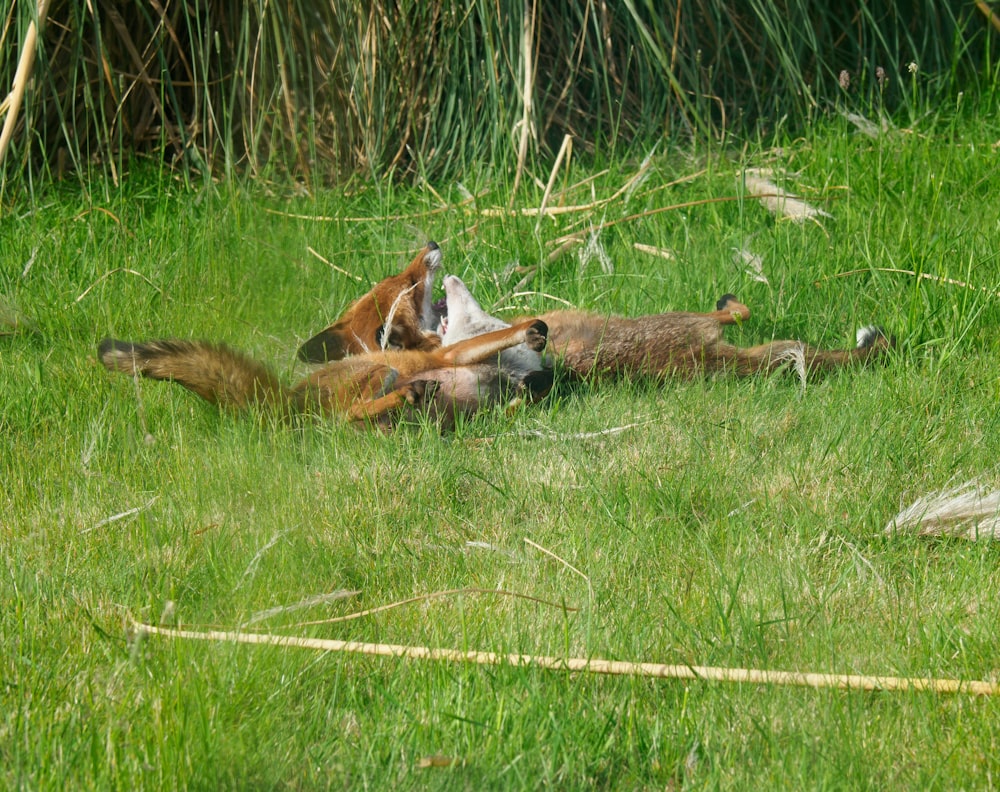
(396, 314)
(375, 386)
(685, 344)
(464, 318)
(591, 344)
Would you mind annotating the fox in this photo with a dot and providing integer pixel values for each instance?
(463, 317)
(378, 387)
(585, 344)
(687, 344)
(597, 345)
(396, 314)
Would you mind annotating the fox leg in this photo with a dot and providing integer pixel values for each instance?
(412, 394)
(806, 359)
(338, 386)
(729, 310)
(480, 349)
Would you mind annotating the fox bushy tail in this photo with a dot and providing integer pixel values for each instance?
(215, 372)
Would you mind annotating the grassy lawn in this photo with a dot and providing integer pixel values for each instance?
(728, 523)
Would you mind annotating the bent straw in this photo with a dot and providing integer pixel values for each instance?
(25, 64)
(751, 676)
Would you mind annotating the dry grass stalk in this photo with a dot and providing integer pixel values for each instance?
(527, 94)
(308, 602)
(749, 676)
(652, 250)
(437, 595)
(565, 563)
(777, 200)
(121, 515)
(565, 151)
(331, 265)
(25, 65)
(988, 13)
(921, 275)
(967, 511)
(109, 273)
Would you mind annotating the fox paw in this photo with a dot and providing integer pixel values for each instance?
(536, 335)
(874, 337)
(419, 392)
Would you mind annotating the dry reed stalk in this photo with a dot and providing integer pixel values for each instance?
(331, 265)
(25, 65)
(565, 150)
(988, 12)
(527, 94)
(750, 676)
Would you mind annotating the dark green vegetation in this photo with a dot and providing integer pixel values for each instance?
(740, 523)
(324, 91)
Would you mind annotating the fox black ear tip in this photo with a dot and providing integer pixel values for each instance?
(316, 349)
(432, 245)
(724, 300)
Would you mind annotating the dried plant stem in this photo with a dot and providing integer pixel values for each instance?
(576, 235)
(527, 94)
(25, 65)
(750, 676)
(911, 273)
(565, 150)
(331, 265)
(437, 595)
(109, 273)
(988, 12)
(565, 563)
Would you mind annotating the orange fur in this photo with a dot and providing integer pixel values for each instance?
(404, 298)
(374, 386)
(675, 343)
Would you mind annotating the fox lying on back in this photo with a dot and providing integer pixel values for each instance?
(682, 343)
(586, 344)
(375, 386)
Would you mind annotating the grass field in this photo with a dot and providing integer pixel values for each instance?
(729, 523)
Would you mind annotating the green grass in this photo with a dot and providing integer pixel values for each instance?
(739, 525)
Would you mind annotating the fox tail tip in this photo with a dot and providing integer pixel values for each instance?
(117, 355)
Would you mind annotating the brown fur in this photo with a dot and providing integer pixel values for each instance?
(658, 345)
(375, 386)
(685, 344)
(405, 297)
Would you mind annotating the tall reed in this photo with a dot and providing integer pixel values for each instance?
(324, 91)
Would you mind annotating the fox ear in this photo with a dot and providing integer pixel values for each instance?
(323, 347)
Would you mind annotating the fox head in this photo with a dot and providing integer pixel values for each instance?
(466, 319)
(396, 313)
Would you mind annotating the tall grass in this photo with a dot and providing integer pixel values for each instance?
(324, 91)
